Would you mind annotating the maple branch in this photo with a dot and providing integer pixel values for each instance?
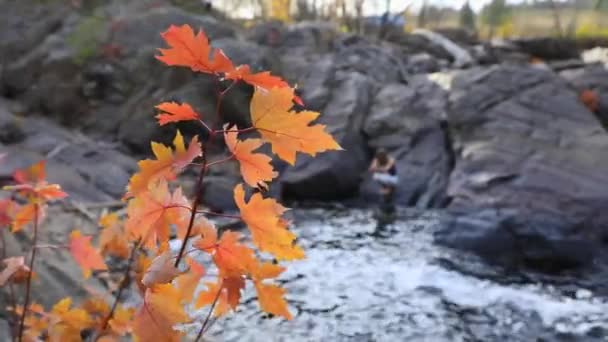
(197, 201)
(200, 332)
(221, 161)
(11, 294)
(201, 177)
(123, 285)
(52, 246)
(206, 126)
(248, 129)
(28, 286)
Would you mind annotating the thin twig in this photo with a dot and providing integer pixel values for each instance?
(201, 177)
(28, 286)
(200, 332)
(220, 161)
(126, 280)
(197, 201)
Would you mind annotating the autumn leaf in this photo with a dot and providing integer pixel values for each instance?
(271, 298)
(175, 112)
(232, 258)
(288, 131)
(268, 230)
(15, 270)
(26, 214)
(193, 51)
(66, 323)
(266, 270)
(167, 165)
(261, 79)
(8, 209)
(31, 182)
(228, 294)
(85, 255)
(151, 214)
(121, 320)
(188, 282)
(255, 167)
(161, 311)
(161, 271)
(112, 240)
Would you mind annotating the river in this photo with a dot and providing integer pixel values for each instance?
(396, 285)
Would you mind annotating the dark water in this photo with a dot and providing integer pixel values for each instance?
(355, 285)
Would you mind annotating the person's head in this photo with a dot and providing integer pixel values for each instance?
(382, 156)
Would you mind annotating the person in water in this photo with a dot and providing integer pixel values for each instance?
(385, 173)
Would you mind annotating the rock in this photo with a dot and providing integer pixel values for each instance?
(422, 63)
(552, 48)
(535, 158)
(24, 25)
(144, 28)
(88, 171)
(461, 57)
(592, 78)
(406, 120)
(382, 64)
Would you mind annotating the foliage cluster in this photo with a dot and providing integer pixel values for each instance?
(157, 208)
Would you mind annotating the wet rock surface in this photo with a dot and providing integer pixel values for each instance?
(360, 284)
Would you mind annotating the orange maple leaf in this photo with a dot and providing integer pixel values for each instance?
(255, 167)
(31, 182)
(261, 79)
(121, 320)
(85, 254)
(288, 131)
(271, 298)
(65, 323)
(112, 240)
(187, 282)
(15, 270)
(26, 214)
(193, 51)
(167, 165)
(161, 271)
(151, 214)
(161, 311)
(175, 112)
(232, 258)
(8, 209)
(268, 230)
(228, 294)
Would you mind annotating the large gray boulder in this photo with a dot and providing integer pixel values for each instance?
(407, 120)
(530, 182)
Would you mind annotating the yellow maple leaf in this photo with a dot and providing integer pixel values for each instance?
(158, 315)
(167, 165)
(255, 167)
(268, 230)
(288, 131)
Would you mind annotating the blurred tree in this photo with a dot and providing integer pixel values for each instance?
(280, 10)
(467, 17)
(495, 14)
(557, 22)
(422, 16)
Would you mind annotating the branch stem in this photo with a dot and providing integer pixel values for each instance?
(28, 286)
(123, 285)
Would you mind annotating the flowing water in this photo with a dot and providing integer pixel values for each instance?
(358, 285)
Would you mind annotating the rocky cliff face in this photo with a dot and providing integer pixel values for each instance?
(505, 144)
